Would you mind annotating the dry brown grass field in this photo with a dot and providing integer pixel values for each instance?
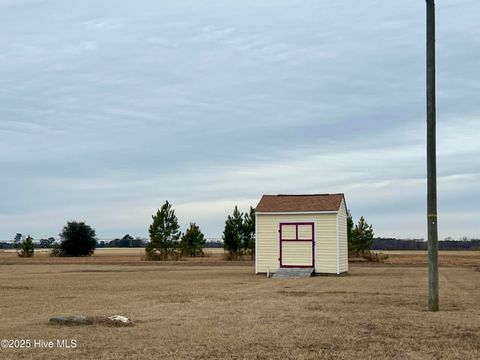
(446, 258)
(207, 308)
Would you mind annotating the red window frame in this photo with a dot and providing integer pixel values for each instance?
(312, 240)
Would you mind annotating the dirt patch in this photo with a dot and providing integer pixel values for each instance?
(294, 293)
(15, 287)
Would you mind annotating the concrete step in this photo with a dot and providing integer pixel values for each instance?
(289, 273)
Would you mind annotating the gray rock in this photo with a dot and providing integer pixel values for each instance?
(69, 320)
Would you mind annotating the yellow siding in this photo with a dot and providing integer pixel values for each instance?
(326, 244)
(267, 241)
(297, 253)
(342, 239)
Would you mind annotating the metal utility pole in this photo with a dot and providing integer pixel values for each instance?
(431, 163)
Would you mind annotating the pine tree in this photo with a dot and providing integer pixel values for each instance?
(248, 232)
(349, 231)
(27, 247)
(362, 237)
(192, 241)
(17, 240)
(232, 234)
(164, 234)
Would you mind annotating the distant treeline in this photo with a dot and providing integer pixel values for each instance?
(213, 244)
(125, 242)
(39, 244)
(378, 244)
(420, 244)
(128, 241)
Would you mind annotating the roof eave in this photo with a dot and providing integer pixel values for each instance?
(297, 212)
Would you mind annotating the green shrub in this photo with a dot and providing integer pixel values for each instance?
(26, 247)
(192, 241)
(230, 255)
(151, 253)
(56, 250)
(374, 257)
(360, 237)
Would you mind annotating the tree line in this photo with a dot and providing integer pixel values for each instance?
(419, 244)
(239, 234)
(361, 240)
(19, 238)
(167, 242)
(126, 241)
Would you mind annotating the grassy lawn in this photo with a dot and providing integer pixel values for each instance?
(209, 309)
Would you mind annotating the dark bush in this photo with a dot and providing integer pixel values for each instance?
(78, 239)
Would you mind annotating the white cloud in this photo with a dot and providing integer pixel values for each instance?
(104, 24)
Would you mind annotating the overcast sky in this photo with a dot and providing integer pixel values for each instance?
(109, 108)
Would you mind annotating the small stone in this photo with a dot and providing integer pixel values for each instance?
(119, 318)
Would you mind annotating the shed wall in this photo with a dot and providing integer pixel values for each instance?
(267, 240)
(342, 239)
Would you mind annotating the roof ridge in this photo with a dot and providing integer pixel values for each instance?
(326, 194)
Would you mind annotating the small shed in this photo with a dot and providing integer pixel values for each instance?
(301, 231)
